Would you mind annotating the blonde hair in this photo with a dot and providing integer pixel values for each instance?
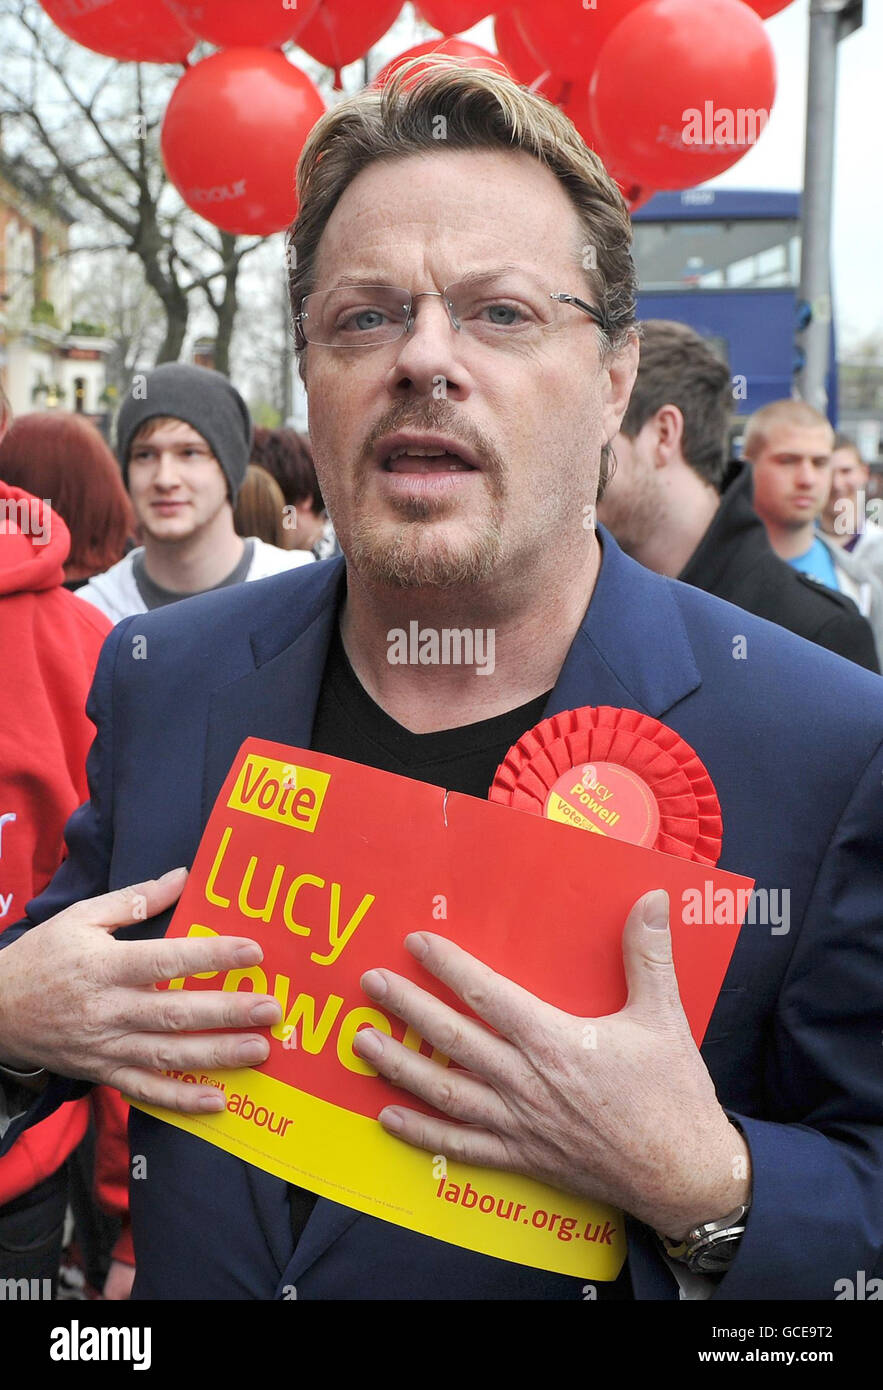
(260, 507)
(761, 424)
(478, 110)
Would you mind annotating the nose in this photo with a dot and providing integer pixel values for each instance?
(428, 357)
(806, 473)
(166, 475)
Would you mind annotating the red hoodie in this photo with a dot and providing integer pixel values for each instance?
(50, 642)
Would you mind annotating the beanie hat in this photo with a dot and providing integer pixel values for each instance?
(201, 398)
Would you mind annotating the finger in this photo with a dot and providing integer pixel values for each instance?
(124, 906)
(175, 958)
(514, 1012)
(456, 1093)
(154, 1089)
(196, 1011)
(459, 1143)
(649, 968)
(450, 1032)
(189, 1052)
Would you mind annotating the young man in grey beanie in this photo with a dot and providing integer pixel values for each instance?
(184, 438)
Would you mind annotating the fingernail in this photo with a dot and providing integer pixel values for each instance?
(392, 1119)
(211, 1100)
(181, 870)
(655, 910)
(268, 1011)
(369, 1043)
(417, 945)
(248, 955)
(374, 983)
(252, 1050)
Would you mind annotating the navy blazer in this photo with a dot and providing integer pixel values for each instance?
(791, 736)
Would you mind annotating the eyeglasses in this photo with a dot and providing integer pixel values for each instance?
(501, 308)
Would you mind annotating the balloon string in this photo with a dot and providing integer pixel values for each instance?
(538, 81)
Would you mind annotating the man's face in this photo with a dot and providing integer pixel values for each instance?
(849, 475)
(630, 506)
(792, 476)
(530, 414)
(176, 484)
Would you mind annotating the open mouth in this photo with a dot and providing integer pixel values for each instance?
(413, 460)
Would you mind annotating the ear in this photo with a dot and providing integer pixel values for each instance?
(668, 426)
(618, 370)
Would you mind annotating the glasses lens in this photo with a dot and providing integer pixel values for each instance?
(503, 306)
(355, 315)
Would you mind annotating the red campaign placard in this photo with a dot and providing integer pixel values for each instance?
(329, 865)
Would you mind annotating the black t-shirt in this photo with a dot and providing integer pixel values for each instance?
(350, 725)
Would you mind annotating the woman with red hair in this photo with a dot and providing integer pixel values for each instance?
(62, 459)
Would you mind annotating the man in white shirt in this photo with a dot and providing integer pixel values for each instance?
(184, 439)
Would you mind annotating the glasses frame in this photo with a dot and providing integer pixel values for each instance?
(302, 342)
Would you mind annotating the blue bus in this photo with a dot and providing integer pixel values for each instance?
(727, 262)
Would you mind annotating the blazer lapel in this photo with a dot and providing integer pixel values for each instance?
(277, 700)
(632, 649)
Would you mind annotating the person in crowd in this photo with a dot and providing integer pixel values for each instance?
(473, 505)
(849, 516)
(260, 508)
(675, 504)
(288, 457)
(61, 457)
(50, 644)
(183, 441)
(789, 446)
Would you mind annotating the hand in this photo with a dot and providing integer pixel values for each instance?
(620, 1109)
(82, 1004)
(119, 1281)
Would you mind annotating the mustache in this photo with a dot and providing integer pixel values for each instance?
(437, 415)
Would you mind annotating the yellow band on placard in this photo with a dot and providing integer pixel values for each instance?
(350, 1159)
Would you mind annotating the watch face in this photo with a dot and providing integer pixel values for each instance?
(718, 1257)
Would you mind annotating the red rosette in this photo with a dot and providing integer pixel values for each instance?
(619, 773)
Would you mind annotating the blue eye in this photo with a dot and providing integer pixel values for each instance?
(499, 312)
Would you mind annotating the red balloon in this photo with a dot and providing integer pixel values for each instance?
(453, 16)
(232, 24)
(521, 60)
(682, 90)
(341, 31)
(140, 31)
(766, 8)
(445, 48)
(566, 37)
(232, 135)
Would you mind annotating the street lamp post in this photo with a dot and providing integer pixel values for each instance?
(830, 21)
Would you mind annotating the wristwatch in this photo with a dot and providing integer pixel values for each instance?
(711, 1247)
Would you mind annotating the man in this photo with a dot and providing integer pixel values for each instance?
(673, 506)
(848, 519)
(460, 409)
(184, 440)
(789, 446)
